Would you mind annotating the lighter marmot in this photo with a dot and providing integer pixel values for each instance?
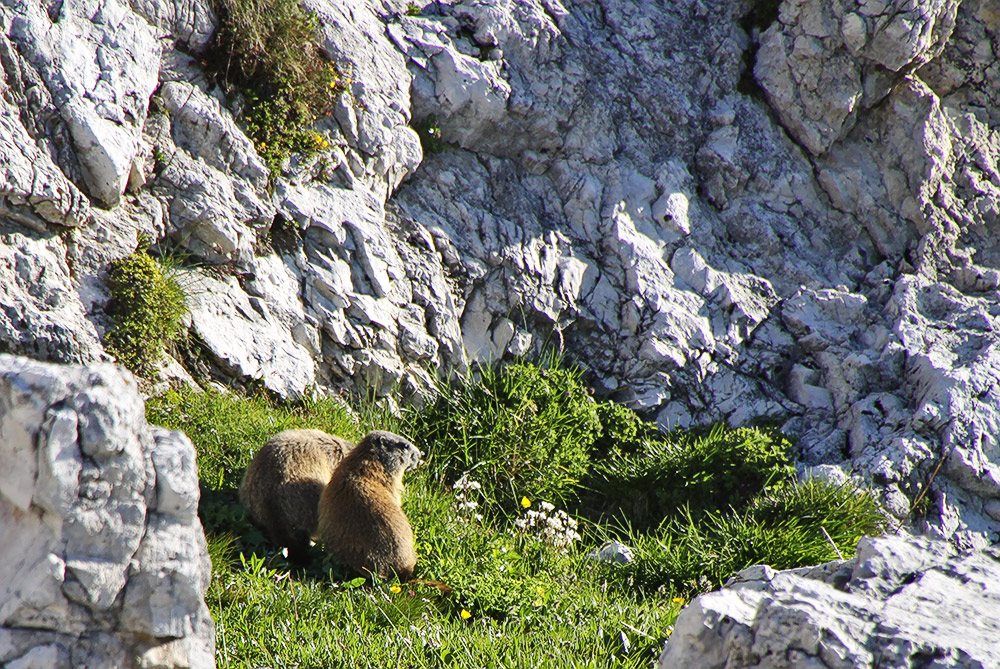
(283, 483)
(361, 520)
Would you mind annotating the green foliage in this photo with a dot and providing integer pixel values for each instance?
(429, 132)
(651, 476)
(516, 601)
(147, 307)
(526, 430)
(622, 430)
(266, 51)
(783, 528)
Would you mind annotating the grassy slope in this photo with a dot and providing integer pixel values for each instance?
(517, 602)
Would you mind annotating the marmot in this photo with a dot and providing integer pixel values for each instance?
(361, 521)
(283, 483)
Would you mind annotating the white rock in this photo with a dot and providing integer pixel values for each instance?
(100, 62)
(246, 337)
(108, 519)
(899, 601)
(612, 551)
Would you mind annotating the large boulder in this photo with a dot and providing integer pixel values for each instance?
(902, 602)
(105, 562)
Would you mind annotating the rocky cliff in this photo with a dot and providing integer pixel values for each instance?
(723, 210)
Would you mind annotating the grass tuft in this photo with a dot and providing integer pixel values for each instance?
(783, 528)
(147, 306)
(267, 52)
(654, 477)
(526, 430)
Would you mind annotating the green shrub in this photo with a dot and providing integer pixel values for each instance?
(651, 476)
(266, 51)
(147, 307)
(622, 430)
(526, 430)
(783, 528)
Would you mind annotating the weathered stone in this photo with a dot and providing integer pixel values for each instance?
(100, 526)
(99, 62)
(246, 336)
(821, 63)
(40, 313)
(190, 22)
(900, 601)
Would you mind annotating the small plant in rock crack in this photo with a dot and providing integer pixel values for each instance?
(267, 52)
(147, 306)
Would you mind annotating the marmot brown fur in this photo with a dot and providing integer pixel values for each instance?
(361, 521)
(283, 484)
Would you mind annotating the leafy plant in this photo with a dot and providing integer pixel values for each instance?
(431, 139)
(526, 429)
(790, 526)
(651, 476)
(147, 307)
(266, 51)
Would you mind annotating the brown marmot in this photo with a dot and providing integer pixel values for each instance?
(361, 521)
(283, 483)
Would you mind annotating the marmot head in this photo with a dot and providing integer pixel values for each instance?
(397, 454)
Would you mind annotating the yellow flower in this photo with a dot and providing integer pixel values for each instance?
(525, 502)
(465, 614)
(678, 600)
(395, 589)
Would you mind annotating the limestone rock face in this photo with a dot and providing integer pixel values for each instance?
(105, 562)
(98, 63)
(791, 217)
(821, 64)
(901, 602)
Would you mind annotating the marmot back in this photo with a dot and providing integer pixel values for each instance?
(361, 521)
(283, 483)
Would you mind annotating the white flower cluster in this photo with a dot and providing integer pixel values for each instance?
(465, 488)
(548, 525)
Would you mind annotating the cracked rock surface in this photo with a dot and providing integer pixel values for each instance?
(105, 558)
(901, 602)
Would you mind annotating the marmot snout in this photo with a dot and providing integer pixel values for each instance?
(361, 521)
(283, 484)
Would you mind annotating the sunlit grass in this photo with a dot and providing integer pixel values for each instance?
(718, 501)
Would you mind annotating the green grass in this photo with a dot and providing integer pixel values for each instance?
(525, 429)
(147, 307)
(517, 601)
(653, 478)
(266, 51)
